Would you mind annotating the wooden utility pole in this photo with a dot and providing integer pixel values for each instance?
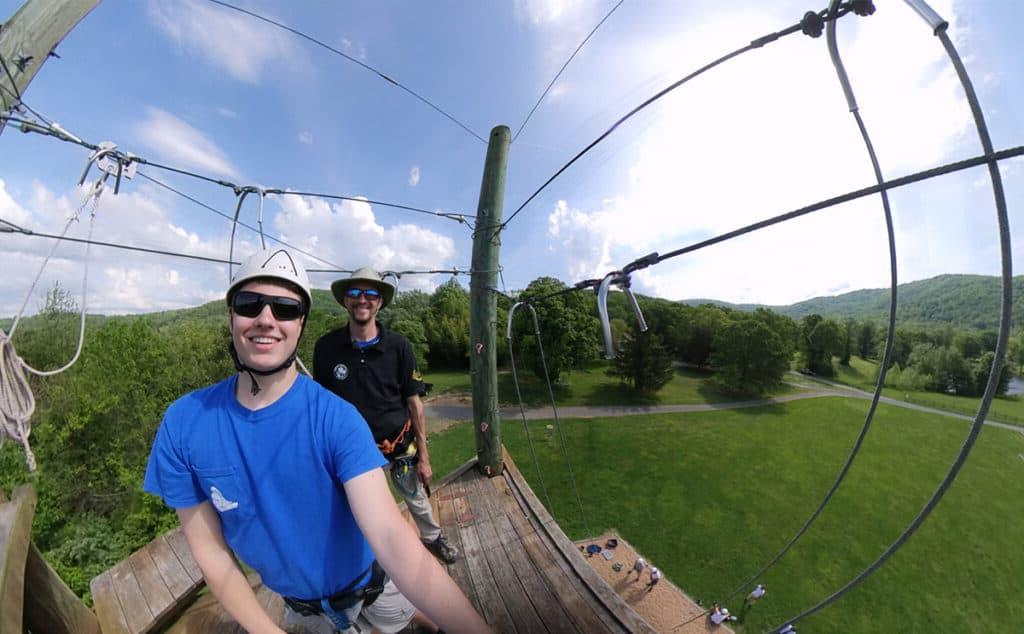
(483, 304)
(29, 36)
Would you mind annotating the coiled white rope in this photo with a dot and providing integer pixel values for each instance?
(17, 403)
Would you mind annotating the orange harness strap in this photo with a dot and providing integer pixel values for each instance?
(387, 446)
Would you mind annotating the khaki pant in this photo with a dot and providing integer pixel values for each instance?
(422, 513)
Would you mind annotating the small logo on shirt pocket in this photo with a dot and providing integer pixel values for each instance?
(341, 371)
(220, 502)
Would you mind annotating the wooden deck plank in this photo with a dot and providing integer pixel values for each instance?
(108, 605)
(615, 604)
(158, 598)
(133, 603)
(492, 607)
(577, 600)
(178, 543)
(512, 593)
(541, 594)
(15, 539)
(169, 566)
(449, 501)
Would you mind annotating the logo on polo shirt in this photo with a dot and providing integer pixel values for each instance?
(220, 502)
(341, 371)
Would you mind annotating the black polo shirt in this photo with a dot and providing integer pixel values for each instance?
(376, 379)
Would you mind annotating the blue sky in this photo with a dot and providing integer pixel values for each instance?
(197, 86)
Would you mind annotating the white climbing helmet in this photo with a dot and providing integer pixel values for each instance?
(366, 275)
(275, 264)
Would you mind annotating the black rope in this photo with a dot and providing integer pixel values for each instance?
(373, 70)
(806, 25)
(564, 66)
(115, 245)
(31, 126)
(227, 217)
(1005, 318)
(887, 355)
(14, 84)
(948, 168)
(558, 423)
(461, 218)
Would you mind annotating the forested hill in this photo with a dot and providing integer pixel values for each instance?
(965, 301)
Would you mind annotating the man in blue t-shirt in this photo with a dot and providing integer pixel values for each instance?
(273, 467)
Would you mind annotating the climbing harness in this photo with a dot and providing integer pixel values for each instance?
(388, 447)
(404, 473)
(334, 607)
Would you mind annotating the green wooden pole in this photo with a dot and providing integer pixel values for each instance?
(483, 304)
(28, 37)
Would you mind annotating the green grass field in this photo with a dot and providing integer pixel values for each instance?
(710, 497)
(862, 374)
(593, 386)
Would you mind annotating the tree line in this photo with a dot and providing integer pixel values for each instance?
(94, 424)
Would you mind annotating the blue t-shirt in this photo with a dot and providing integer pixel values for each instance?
(275, 476)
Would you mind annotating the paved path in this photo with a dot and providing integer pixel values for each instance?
(444, 411)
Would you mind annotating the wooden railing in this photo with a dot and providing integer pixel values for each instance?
(32, 596)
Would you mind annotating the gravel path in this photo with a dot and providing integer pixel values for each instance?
(446, 410)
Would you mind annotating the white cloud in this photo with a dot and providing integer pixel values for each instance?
(414, 176)
(348, 234)
(306, 137)
(241, 45)
(546, 11)
(11, 210)
(227, 113)
(354, 49)
(119, 281)
(762, 135)
(175, 141)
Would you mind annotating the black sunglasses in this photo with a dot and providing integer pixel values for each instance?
(356, 293)
(250, 304)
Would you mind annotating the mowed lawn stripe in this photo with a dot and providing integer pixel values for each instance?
(712, 496)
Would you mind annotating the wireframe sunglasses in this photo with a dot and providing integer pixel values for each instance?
(356, 293)
(250, 304)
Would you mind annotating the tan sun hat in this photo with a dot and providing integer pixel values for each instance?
(365, 275)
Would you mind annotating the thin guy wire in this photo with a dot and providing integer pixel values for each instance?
(522, 409)
(461, 218)
(114, 245)
(757, 43)
(622, 120)
(558, 426)
(1005, 317)
(227, 217)
(887, 355)
(948, 168)
(63, 135)
(562, 69)
(17, 93)
(14, 84)
(916, 177)
(373, 70)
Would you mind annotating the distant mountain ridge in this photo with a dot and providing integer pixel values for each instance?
(964, 301)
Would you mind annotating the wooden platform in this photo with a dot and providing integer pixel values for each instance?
(517, 567)
(147, 590)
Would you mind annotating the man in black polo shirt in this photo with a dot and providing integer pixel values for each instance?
(375, 370)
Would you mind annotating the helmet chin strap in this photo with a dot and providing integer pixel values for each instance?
(241, 367)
